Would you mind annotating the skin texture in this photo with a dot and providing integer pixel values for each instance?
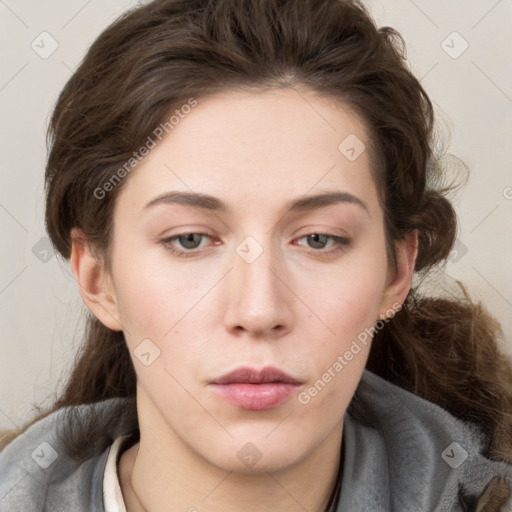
(298, 306)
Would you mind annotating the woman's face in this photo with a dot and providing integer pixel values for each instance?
(286, 273)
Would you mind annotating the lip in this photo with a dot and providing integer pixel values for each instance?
(255, 390)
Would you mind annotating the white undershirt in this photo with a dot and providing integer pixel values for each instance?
(112, 495)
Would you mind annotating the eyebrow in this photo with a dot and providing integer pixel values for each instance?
(211, 203)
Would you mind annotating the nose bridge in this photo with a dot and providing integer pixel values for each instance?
(259, 300)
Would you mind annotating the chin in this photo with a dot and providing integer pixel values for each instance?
(260, 456)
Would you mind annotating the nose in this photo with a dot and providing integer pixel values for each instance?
(259, 301)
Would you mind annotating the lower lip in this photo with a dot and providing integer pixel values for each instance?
(256, 397)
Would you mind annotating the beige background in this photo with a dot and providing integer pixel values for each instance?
(40, 308)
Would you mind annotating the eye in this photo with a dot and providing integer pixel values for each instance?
(318, 241)
(189, 242)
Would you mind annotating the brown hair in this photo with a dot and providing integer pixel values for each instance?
(155, 58)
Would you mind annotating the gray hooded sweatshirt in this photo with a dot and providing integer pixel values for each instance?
(401, 453)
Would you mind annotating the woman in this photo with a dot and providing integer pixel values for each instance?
(244, 191)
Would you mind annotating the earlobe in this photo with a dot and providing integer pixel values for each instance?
(94, 283)
(398, 288)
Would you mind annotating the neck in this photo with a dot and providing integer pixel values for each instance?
(148, 486)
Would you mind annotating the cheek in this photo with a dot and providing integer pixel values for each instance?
(338, 331)
(346, 335)
(153, 295)
(337, 358)
(350, 298)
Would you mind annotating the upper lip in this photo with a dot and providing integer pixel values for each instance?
(248, 375)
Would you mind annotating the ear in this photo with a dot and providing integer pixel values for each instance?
(400, 282)
(94, 283)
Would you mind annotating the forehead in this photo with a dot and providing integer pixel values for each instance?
(248, 145)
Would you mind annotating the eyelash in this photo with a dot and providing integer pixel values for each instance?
(340, 242)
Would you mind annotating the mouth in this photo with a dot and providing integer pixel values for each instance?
(255, 390)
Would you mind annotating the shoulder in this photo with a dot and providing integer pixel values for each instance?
(37, 472)
(396, 440)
